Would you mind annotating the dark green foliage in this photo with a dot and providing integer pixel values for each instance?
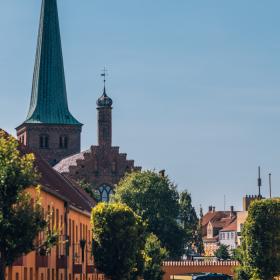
(172, 219)
(156, 200)
(243, 273)
(236, 254)
(94, 194)
(154, 257)
(118, 239)
(20, 221)
(191, 225)
(198, 238)
(222, 253)
(260, 250)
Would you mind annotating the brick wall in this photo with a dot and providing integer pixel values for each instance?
(54, 153)
(188, 267)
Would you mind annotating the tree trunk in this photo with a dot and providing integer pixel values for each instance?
(2, 269)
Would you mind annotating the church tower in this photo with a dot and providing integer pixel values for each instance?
(49, 127)
(101, 166)
(104, 111)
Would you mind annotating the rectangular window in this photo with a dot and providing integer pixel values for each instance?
(44, 142)
(70, 232)
(41, 142)
(53, 218)
(63, 142)
(25, 274)
(73, 232)
(48, 215)
(57, 218)
(31, 273)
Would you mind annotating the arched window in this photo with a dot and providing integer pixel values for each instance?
(63, 142)
(44, 141)
(105, 193)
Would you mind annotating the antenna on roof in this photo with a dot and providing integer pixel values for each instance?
(270, 185)
(224, 203)
(259, 182)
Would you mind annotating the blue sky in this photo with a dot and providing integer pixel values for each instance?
(195, 84)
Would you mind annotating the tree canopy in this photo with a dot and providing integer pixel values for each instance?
(118, 240)
(154, 256)
(156, 199)
(222, 252)
(260, 249)
(191, 225)
(20, 220)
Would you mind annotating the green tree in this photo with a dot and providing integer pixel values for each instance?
(118, 239)
(156, 200)
(190, 223)
(154, 257)
(222, 252)
(198, 238)
(260, 249)
(93, 193)
(20, 221)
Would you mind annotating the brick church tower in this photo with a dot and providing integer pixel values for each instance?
(49, 127)
(104, 108)
(101, 166)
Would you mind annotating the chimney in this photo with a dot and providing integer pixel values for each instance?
(210, 208)
(231, 211)
(214, 209)
(162, 173)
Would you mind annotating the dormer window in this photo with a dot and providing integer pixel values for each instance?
(63, 142)
(44, 141)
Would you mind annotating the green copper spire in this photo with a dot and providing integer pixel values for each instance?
(49, 99)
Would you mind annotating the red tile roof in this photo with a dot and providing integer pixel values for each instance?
(218, 219)
(231, 227)
(213, 216)
(58, 184)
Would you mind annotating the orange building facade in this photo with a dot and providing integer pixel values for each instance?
(69, 209)
(64, 261)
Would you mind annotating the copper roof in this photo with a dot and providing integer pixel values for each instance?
(49, 98)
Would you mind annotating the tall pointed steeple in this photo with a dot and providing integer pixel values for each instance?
(49, 99)
(50, 128)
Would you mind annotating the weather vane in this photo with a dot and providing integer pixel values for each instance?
(104, 75)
